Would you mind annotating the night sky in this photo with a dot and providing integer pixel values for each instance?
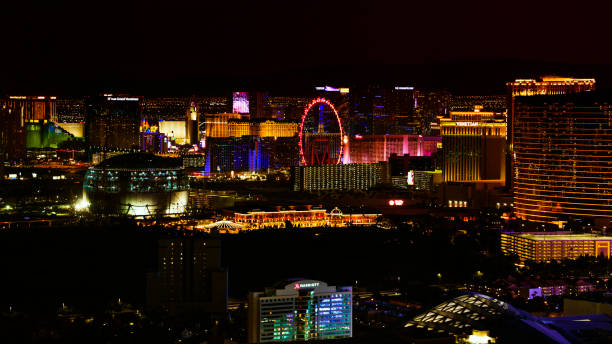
(165, 47)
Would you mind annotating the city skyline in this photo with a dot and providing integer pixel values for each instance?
(342, 171)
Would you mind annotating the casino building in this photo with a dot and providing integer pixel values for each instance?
(563, 157)
(137, 184)
(474, 146)
(300, 310)
(547, 246)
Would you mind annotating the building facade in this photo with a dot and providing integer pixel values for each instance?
(563, 157)
(547, 246)
(190, 277)
(137, 184)
(302, 218)
(302, 310)
(339, 177)
(361, 149)
(112, 122)
(474, 146)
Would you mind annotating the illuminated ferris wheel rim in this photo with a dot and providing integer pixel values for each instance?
(314, 102)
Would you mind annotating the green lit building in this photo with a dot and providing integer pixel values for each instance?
(45, 134)
(302, 310)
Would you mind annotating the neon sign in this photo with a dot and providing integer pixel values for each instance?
(299, 286)
(132, 99)
(410, 179)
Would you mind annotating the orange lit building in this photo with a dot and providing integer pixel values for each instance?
(549, 85)
(546, 86)
(474, 146)
(546, 246)
(563, 158)
(238, 125)
(33, 108)
(302, 218)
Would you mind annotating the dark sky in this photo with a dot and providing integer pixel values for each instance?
(173, 46)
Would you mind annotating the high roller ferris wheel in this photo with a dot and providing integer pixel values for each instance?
(321, 135)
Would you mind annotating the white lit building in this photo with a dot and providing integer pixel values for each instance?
(339, 177)
(302, 310)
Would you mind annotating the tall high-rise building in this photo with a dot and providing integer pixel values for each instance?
(383, 111)
(240, 102)
(15, 113)
(12, 134)
(192, 124)
(259, 105)
(400, 104)
(563, 157)
(250, 153)
(301, 310)
(546, 85)
(474, 147)
(33, 108)
(190, 277)
(112, 122)
(70, 110)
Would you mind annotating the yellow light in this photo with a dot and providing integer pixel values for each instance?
(480, 337)
(82, 205)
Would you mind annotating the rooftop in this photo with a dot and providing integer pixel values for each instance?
(140, 161)
(548, 236)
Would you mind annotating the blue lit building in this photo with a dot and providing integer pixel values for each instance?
(250, 153)
(301, 310)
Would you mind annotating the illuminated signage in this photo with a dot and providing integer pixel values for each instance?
(468, 124)
(396, 202)
(240, 103)
(403, 88)
(320, 88)
(122, 99)
(344, 90)
(410, 178)
(17, 97)
(299, 286)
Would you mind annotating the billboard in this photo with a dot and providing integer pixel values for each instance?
(240, 103)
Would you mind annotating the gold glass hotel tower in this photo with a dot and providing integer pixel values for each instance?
(563, 157)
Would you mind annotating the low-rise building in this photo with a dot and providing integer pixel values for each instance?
(547, 246)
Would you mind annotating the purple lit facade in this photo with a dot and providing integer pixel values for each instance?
(375, 148)
(240, 102)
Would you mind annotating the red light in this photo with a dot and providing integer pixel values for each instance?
(301, 128)
(396, 202)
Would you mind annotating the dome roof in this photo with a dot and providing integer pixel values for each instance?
(465, 313)
(140, 161)
(224, 224)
